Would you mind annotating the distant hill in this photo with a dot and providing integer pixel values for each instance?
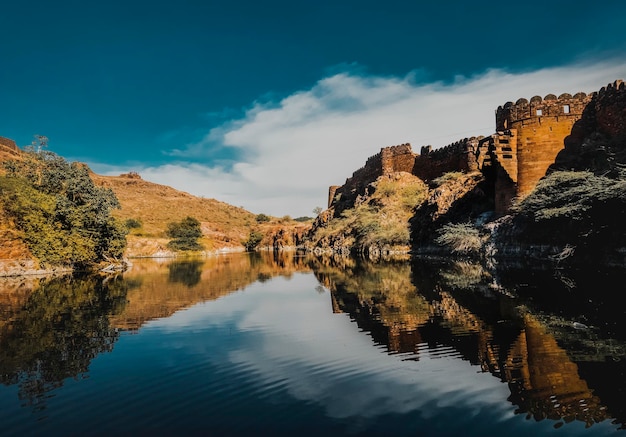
(224, 226)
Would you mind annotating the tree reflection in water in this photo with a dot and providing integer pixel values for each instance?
(186, 272)
(54, 335)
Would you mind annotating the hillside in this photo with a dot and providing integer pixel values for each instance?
(375, 222)
(224, 226)
(147, 208)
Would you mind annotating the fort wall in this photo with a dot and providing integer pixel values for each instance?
(458, 156)
(8, 150)
(609, 107)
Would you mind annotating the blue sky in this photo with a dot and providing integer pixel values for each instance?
(265, 104)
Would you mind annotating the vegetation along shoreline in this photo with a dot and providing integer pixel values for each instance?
(548, 184)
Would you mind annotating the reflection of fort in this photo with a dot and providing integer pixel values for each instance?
(544, 382)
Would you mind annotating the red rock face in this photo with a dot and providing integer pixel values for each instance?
(8, 143)
(598, 140)
(610, 111)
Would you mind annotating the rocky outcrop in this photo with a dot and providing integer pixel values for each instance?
(285, 237)
(598, 140)
(460, 197)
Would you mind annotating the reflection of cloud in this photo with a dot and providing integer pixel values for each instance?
(291, 150)
(300, 346)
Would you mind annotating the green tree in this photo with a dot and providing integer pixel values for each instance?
(253, 240)
(64, 217)
(184, 234)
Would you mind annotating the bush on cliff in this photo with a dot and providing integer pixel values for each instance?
(63, 216)
(254, 239)
(574, 208)
(378, 221)
(460, 238)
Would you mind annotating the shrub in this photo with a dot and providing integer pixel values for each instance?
(447, 177)
(253, 240)
(184, 234)
(132, 223)
(386, 187)
(569, 195)
(575, 208)
(462, 238)
(260, 218)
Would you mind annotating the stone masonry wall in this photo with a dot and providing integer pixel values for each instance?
(9, 144)
(458, 156)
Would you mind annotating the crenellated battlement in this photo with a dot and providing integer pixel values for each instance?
(466, 145)
(524, 111)
(389, 160)
(618, 85)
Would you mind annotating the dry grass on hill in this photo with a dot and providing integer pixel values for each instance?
(154, 206)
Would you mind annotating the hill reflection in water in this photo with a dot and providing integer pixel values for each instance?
(522, 326)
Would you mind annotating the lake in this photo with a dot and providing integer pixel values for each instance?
(281, 344)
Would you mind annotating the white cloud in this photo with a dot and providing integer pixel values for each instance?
(292, 150)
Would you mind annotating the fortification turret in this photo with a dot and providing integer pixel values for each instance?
(530, 134)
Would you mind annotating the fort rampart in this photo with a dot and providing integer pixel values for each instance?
(529, 136)
(459, 156)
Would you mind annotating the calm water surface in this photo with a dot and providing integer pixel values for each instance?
(261, 344)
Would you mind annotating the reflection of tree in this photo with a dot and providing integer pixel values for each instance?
(163, 290)
(186, 272)
(61, 328)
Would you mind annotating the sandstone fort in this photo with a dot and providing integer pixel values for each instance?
(529, 136)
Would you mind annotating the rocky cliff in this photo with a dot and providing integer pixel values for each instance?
(597, 141)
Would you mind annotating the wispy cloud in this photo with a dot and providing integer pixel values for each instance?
(289, 151)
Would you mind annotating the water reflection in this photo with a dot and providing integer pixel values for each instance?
(167, 286)
(542, 349)
(52, 329)
(187, 272)
(461, 308)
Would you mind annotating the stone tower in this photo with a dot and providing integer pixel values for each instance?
(529, 135)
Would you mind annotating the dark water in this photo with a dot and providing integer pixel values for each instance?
(257, 344)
